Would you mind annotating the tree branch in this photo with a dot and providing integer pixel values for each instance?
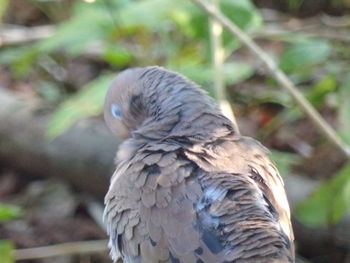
(280, 77)
(64, 249)
(83, 155)
(218, 51)
(14, 35)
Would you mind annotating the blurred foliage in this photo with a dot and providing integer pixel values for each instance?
(294, 4)
(170, 33)
(6, 251)
(301, 6)
(9, 212)
(3, 6)
(329, 202)
(174, 34)
(284, 161)
(303, 59)
(88, 102)
(305, 54)
(344, 109)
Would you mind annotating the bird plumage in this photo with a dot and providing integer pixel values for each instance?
(188, 187)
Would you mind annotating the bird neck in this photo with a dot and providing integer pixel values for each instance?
(189, 115)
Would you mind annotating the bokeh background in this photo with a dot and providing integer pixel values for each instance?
(57, 58)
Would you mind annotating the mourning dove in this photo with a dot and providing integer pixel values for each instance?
(188, 188)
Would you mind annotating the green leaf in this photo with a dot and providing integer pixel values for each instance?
(319, 91)
(241, 12)
(9, 212)
(3, 7)
(117, 56)
(305, 54)
(328, 202)
(153, 14)
(244, 14)
(295, 4)
(234, 72)
(20, 59)
(6, 252)
(89, 24)
(87, 102)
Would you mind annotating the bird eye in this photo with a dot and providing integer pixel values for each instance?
(115, 110)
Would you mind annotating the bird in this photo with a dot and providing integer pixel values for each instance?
(188, 187)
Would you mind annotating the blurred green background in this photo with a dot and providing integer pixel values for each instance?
(63, 54)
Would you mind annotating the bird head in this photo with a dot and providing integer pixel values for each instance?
(123, 111)
(155, 103)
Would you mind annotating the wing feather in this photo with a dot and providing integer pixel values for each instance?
(211, 203)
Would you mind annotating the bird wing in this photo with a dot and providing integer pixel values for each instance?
(170, 205)
(149, 207)
(247, 169)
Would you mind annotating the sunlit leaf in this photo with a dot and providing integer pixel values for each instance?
(319, 90)
(305, 54)
(117, 56)
(6, 251)
(87, 102)
(89, 24)
(245, 15)
(9, 212)
(241, 12)
(234, 72)
(3, 7)
(153, 14)
(328, 203)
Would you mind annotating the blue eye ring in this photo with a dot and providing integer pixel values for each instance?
(116, 112)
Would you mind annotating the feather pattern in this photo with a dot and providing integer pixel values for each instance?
(188, 188)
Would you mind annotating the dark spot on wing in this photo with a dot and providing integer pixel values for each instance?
(120, 243)
(199, 261)
(199, 251)
(152, 170)
(153, 243)
(173, 259)
(212, 241)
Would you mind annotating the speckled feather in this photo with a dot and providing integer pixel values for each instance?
(188, 187)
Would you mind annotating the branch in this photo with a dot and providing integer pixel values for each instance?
(277, 30)
(280, 77)
(14, 35)
(70, 248)
(11, 35)
(215, 29)
(82, 156)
